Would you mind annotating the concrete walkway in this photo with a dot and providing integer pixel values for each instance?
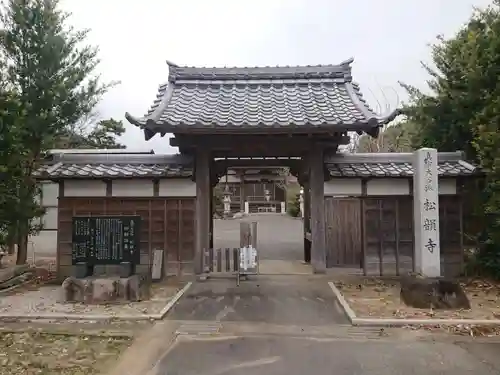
(309, 355)
(296, 300)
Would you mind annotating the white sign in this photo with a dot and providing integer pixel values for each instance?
(248, 258)
(156, 269)
(426, 212)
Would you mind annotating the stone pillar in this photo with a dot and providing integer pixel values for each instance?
(427, 254)
(283, 208)
(247, 207)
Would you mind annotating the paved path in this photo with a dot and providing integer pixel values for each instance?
(280, 300)
(280, 237)
(292, 325)
(308, 355)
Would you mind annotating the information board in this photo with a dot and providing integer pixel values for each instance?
(106, 239)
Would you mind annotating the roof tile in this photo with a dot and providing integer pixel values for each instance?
(63, 164)
(114, 171)
(316, 96)
(391, 169)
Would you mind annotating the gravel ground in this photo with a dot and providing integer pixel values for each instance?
(46, 299)
(375, 298)
(33, 353)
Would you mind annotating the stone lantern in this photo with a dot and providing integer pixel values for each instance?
(227, 201)
(267, 195)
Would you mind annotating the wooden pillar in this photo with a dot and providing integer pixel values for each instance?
(211, 216)
(317, 181)
(307, 222)
(202, 175)
(242, 193)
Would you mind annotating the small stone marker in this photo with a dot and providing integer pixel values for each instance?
(426, 212)
(156, 271)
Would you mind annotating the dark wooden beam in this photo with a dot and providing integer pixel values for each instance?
(253, 143)
(203, 215)
(256, 163)
(211, 219)
(307, 222)
(270, 152)
(317, 186)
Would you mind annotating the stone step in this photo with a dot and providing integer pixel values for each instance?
(197, 328)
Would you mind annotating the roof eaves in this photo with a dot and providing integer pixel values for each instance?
(389, 157)
(374, 120)
(468, 166)
(147, 123)
(93, 151)
(163, 127)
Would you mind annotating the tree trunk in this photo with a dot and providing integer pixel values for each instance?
(22, 244)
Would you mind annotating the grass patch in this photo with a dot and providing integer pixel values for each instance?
(36, 353)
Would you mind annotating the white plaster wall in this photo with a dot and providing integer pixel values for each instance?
(132, 188)
(43, 244)
(50, 193)
(345, 186)
(230, 178)
(177, 187)
(84, 188)
(388, 186)
(382, 186)
(447, 186)
(49, 220)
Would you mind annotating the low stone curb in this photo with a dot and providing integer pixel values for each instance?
(387, 322)
(103, 317)
(64, 332)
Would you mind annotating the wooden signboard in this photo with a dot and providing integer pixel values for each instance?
(106, 239)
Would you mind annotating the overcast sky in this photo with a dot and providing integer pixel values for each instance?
(387, 38)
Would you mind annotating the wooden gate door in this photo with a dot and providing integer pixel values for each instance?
(343, 232)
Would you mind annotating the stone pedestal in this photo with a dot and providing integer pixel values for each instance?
(95, 290)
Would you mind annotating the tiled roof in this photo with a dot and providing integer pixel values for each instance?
(446, 169)
(113, 165)
(395, 165)
(269, 98)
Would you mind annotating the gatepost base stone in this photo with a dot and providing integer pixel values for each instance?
(112, 289)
